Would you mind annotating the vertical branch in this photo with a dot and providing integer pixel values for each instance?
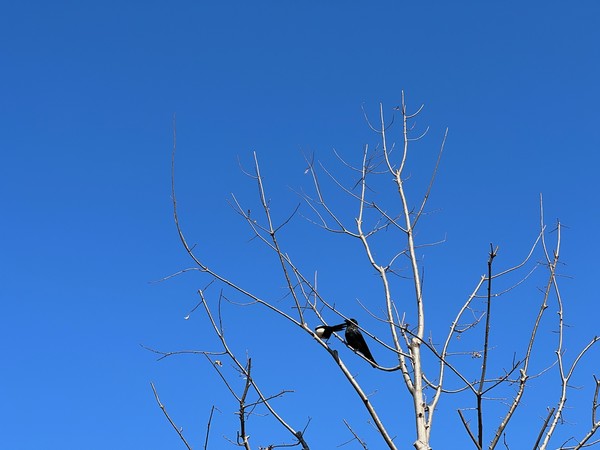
(486, 341)
(419, 404)
(523, 373)
(242, 411)
(415, 385)
(410, 231)
(212, 410)
(552, 263)
(595, 421)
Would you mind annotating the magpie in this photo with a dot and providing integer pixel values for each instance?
(356, 341)
(325, 331)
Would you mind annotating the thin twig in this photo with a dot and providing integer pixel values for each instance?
(164, 410)
(356, 437)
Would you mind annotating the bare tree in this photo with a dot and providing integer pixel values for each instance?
(456, 365)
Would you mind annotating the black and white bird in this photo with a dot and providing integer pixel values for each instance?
(325, 331)
(356, 341)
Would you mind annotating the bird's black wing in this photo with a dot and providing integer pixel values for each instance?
(355, 340)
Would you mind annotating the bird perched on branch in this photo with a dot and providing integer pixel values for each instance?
(356, 341)
(325, 331)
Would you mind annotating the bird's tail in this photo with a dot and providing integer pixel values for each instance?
(339, 327)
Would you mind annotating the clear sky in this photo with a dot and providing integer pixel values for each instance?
(87, 95)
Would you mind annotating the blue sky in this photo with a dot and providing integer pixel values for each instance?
(88, 91)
